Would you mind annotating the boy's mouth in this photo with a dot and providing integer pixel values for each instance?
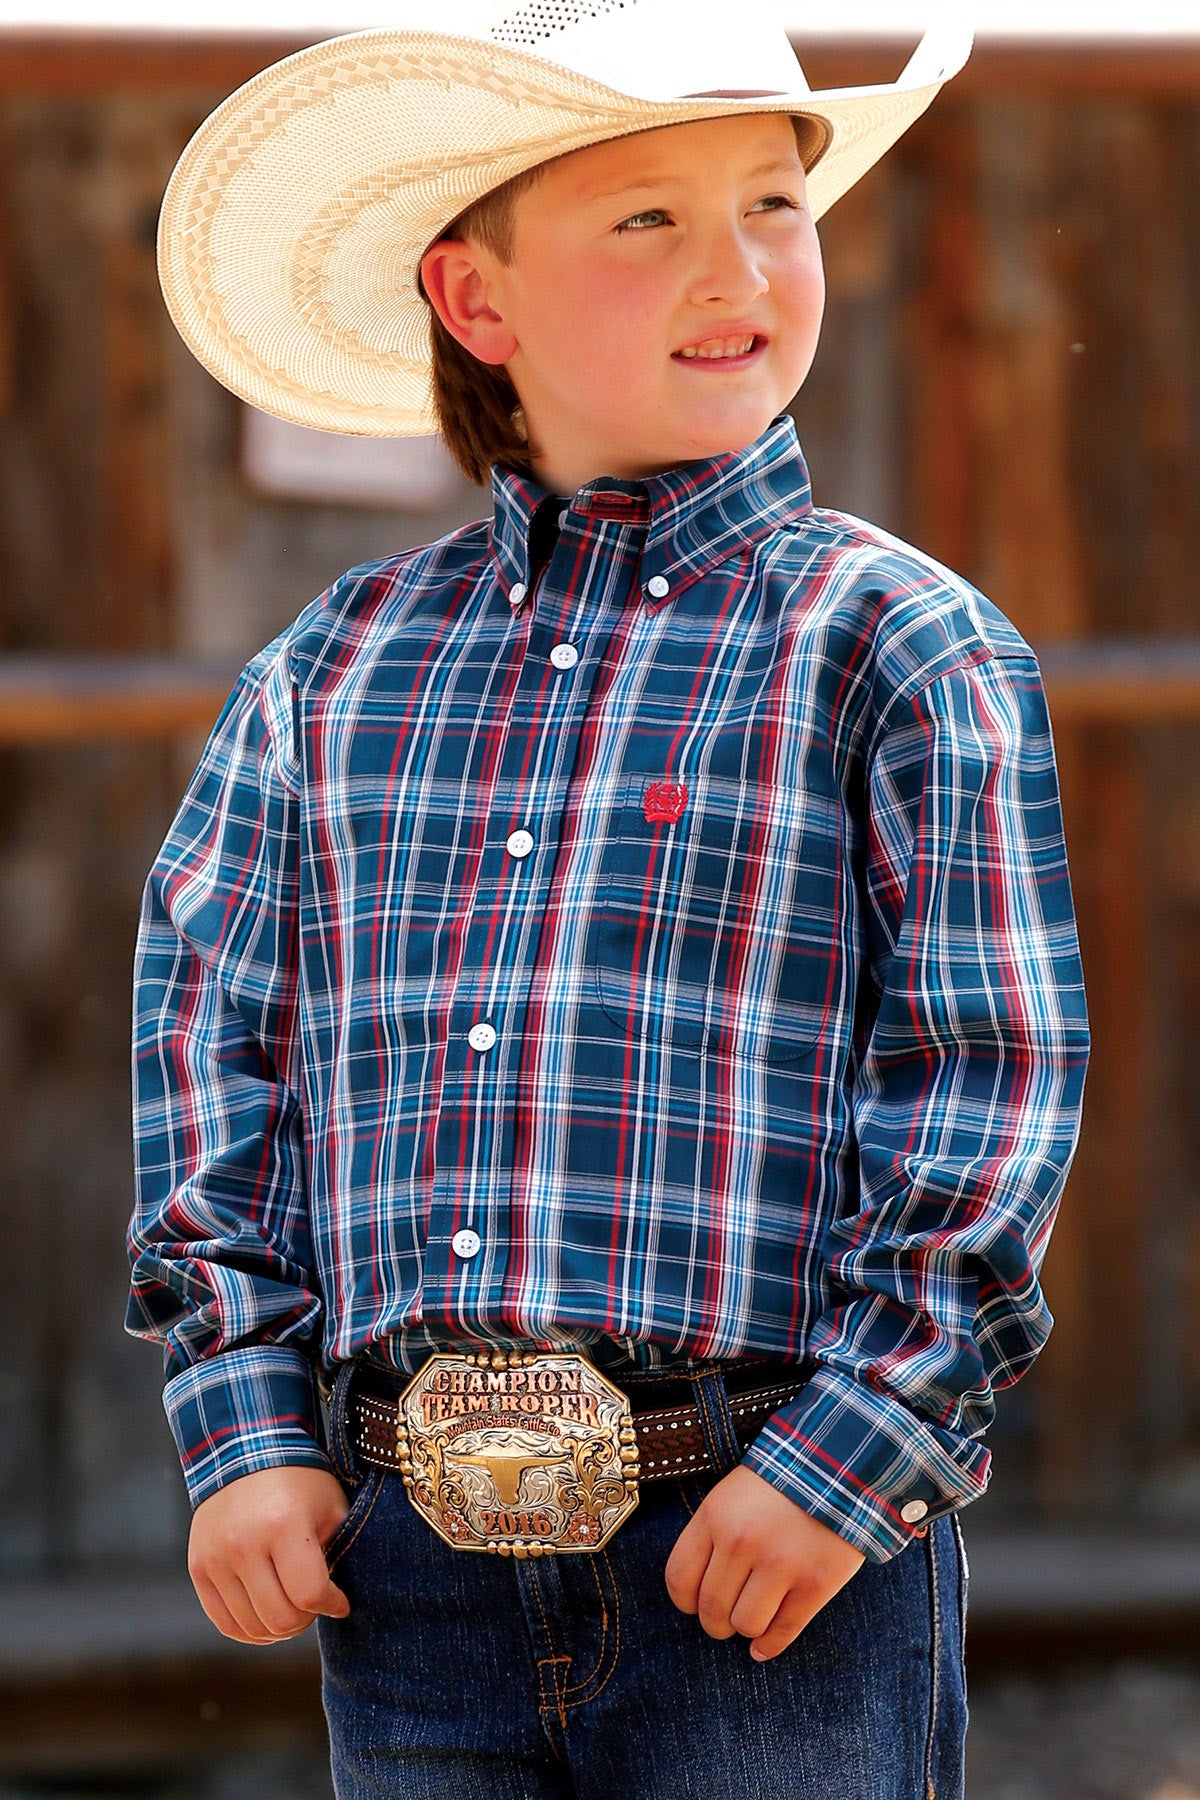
(738, 348)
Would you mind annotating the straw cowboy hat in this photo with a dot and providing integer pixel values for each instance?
(294, 224)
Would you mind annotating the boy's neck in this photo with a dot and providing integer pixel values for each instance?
(568, 475)
(566, 478)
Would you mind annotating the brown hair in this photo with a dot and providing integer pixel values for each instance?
(478, 409)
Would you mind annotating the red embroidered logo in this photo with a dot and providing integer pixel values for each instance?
(664, 800)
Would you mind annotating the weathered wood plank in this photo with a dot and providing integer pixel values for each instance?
(1122, 680)
(1114, 881)
(46, 700)
(946, 479)
(62, 62)
(59, 61)
(133, 600)
(1064, 1377)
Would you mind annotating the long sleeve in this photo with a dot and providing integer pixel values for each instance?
(966, 1111)
(219, 1240)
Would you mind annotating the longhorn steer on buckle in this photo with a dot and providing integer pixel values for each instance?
(522, 1453)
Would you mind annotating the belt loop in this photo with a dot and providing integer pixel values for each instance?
(716, 1421)
(340, 1449)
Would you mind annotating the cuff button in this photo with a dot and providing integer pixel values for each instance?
(913, 1511)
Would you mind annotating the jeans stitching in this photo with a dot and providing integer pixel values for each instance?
(369, 1491)
(340, 1449)
(552, 1711)
(555, 1663)
(964, 1577)
(537, 1594)
(716, 1417)
(574, 1686)
(583, 1699)
(935, 1634)
(706, 1424)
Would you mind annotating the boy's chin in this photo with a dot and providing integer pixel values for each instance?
(695, 432)
(723, 437)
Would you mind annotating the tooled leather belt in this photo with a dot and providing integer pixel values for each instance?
(670, 1439)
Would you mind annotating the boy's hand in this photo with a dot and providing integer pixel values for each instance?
(751, 1560)
(256, 1553)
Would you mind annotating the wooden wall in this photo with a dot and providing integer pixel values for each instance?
(125, 531)
(1039, 273)
(1009, 376)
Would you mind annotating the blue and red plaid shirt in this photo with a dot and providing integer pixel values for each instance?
(637, 922)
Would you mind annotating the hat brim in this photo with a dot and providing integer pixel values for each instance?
(294, 223)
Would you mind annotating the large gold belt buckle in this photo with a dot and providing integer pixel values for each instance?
(520, 1453)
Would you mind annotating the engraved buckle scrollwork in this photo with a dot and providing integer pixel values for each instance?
(523, 1453)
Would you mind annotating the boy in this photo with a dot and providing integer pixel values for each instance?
(609, 1010)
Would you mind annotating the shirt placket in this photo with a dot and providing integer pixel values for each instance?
(567, 619)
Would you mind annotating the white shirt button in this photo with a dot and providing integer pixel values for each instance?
(517, 593)
(913, 1511)
(465, 1243)
(564, 656)
(482, 1037)
(562, 518)
(658, 587)
(520, 843)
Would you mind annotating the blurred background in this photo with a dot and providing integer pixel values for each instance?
(1010, 377)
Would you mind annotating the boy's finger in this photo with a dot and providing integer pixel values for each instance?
(217, 1611)
(784, 1628)
(248, 1603)
(304, 1579)
(686, 1565)
(720, 1592)
(758, 1603)
(236, 1597)
(280, 1617)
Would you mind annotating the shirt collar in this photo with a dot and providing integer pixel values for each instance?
(692, 516)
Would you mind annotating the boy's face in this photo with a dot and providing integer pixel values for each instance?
(630, 256)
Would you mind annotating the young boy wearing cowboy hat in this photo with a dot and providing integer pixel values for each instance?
(609, 1015)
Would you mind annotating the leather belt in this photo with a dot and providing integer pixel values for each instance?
(670, 1439)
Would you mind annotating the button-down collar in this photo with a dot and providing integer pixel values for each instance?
(692, 516)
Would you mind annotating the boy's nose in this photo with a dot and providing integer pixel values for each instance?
(729, 267)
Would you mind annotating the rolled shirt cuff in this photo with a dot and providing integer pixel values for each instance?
(865, 1465)
(241, 1411)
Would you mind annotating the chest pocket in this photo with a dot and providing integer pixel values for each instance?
(716, 923)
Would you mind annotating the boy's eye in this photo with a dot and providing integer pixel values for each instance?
(637, 220)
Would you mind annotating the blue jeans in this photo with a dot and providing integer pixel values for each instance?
(465, 1677)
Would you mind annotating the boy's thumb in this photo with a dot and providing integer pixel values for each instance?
(334, 1604)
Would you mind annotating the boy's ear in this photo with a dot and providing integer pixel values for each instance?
(453, 280)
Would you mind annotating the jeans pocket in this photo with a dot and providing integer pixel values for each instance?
(361, 1507)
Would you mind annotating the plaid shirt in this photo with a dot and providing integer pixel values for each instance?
(641, 923)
